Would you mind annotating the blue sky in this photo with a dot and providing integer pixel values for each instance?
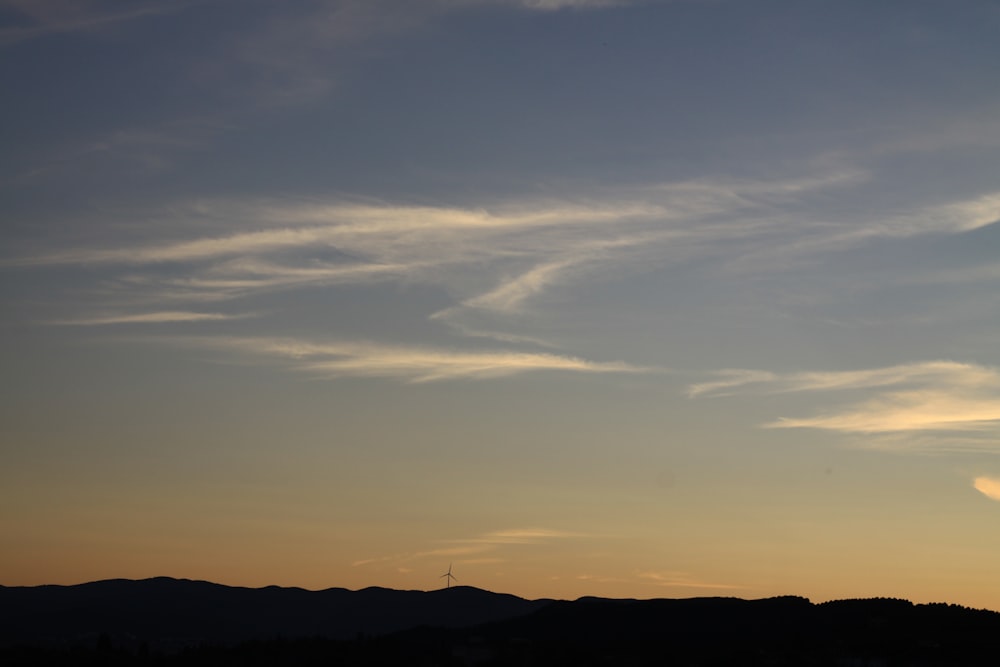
(613, 298)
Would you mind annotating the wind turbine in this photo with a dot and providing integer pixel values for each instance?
(449, 576)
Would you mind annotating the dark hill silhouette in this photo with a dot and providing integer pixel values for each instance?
(789, 630)
(177, 612)
(182, 622)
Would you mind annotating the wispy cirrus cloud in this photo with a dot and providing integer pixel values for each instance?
(494, 259)
(356, 229)
(495, 262)
(469, 550)
(823, 238)
(919, 410)
(160, 317)
(406, 363)
(947, 372)
(461, 552)
(927, 397)
(678, 579)
(524, 536)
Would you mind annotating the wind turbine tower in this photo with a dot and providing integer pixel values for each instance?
(448, 576)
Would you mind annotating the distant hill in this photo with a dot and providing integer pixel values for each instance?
(182, 622)
(875, 632)
(179, 612)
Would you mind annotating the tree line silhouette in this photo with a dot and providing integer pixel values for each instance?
(123, 623)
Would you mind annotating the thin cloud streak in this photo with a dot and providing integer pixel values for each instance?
(161, 317)
(684, 580)
(362, 229)
(824, 237)
(469, 550)
(931, 397)
(950, 372)
(525, 536)
(409, 364)
(509, 296)
(928, 410)
(475, 546)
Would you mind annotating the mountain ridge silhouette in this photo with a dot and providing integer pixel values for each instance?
(171, 611)
(177, 616)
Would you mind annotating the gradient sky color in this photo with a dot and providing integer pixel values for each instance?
(632, 299)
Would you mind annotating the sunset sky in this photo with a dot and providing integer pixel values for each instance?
(582, 297)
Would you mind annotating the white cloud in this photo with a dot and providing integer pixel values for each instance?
(988, 486)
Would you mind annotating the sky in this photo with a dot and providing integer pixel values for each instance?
(577, 297)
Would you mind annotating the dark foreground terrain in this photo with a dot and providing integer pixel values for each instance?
(178, 622)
